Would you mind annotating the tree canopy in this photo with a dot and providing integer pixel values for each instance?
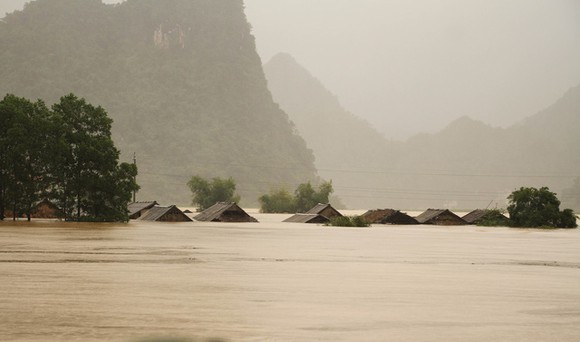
(207, 193)
(305, 197)
(531, 207)
(66, 155)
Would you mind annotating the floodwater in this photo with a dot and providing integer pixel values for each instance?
(275, 281)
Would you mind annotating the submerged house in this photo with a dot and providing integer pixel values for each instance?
(477, 215)
(321, 213)
(307, 218)
(388, 216)
(45, 209)
(164, 214)
(440, 217)
(137, 209)
(224, 212)
(325, 210)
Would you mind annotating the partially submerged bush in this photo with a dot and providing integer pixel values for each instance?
(348, 221)
(494, 218)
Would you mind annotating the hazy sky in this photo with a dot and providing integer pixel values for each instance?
(412, 66)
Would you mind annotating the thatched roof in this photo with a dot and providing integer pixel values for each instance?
(475, 216)
(388, 216)
(136, 208)
(307, 218)
(440, 217)
(224, 212)
(165, 214)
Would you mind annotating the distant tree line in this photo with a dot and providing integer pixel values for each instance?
(206, 193)
(64, 154)
(209, 192)
(305, 197)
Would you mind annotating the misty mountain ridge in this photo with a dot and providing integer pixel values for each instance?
(330, 130)
(345, 146)
(181, 79)
(467, 164)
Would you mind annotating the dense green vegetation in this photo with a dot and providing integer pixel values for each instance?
(305, 198)
(278, 201)
(66, 155)
(348, 221)
(207, 193)
(531, 207)
(181, 79)
(494, 218)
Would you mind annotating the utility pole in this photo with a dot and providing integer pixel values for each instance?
(135, 177)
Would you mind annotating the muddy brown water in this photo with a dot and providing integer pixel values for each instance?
(276, 281)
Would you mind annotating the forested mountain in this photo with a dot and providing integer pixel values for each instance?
(181, 79)
(466, 165)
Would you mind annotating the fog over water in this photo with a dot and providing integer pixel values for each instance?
(275, 281)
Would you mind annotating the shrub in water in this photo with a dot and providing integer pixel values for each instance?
(348, 221)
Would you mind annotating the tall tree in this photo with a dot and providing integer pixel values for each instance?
(277, 201)
(307, 197)
(109, 194)
(207, 193)
(88, 171)
(531, 207)
(23, 153)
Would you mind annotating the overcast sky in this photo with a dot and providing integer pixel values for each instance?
(412, 66)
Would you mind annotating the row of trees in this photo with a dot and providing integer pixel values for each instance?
(304, 198)
(64, 154)
(208, 192)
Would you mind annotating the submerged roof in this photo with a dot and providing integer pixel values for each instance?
(325, 210)
(476, 215)
(171, 213)
(224, 212)
(136, 207)
(317, 209)
(384, 216)
(307, 218)
(431, 215)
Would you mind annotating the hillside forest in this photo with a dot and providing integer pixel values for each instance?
(181, 80)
